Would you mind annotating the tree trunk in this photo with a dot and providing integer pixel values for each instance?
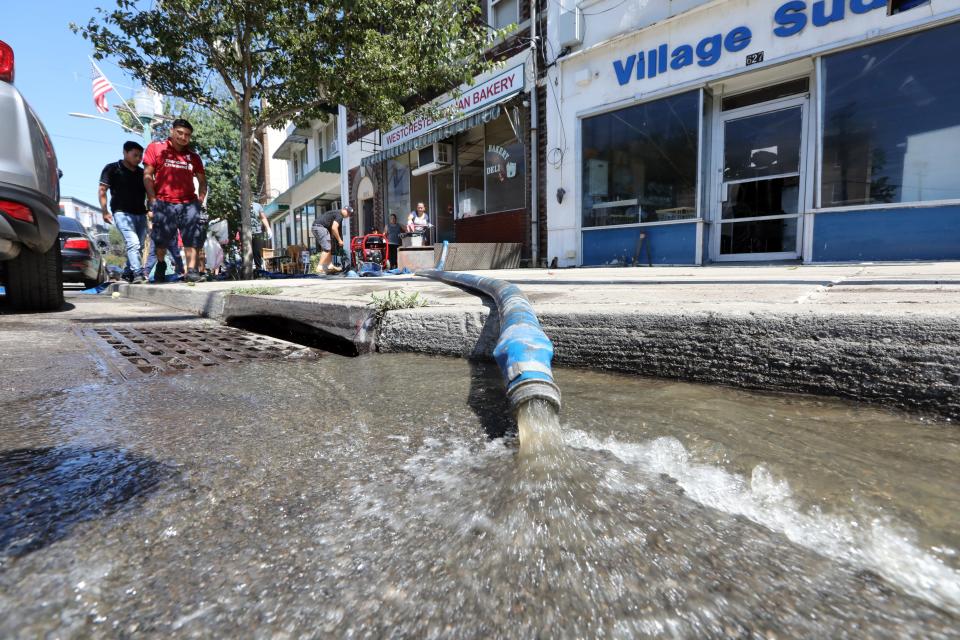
(246, 131)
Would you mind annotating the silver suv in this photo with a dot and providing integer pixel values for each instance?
(29, 202)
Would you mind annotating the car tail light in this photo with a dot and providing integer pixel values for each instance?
(16, 210)
(6, 62)
(81, 244)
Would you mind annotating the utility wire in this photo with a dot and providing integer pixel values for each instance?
(590, 13)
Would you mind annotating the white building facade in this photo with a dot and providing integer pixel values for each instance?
(304, 165)
(90, 216)
(710, 131)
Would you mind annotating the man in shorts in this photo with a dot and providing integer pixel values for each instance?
(169, 171)
(326, 229)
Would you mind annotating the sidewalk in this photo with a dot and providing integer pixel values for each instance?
(883, 333)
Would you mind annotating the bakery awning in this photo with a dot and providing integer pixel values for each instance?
(436, 135)
(440, 133)
(479, 103)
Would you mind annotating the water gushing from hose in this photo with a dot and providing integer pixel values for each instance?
(523, 352)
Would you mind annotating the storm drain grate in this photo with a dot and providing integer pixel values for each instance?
(157, 350)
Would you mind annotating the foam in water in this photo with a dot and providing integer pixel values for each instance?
(880, 545)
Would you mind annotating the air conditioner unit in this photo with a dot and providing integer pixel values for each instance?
(570, 27)
(436, 156)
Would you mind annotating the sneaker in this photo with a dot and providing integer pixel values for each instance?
(332, 270)
(160, 272)
(193, 276)
(138, 279)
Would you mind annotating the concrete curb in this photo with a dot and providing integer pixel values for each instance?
(910, 363)
(902, 361)
(207, 304)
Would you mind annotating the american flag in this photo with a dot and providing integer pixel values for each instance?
(101, 87)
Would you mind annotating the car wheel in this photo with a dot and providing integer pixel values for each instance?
(35, 280)
(101, 278)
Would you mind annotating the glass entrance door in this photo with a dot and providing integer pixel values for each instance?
(441, 214)
(761, 184)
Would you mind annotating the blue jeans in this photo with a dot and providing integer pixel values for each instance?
(133, 227)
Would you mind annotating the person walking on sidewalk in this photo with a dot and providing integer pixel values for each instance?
(173, 250)
(393, 231)
(328, 226)
(259, 226)
(124, 180)
(170, 168)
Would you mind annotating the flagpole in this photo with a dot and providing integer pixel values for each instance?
(123, 100)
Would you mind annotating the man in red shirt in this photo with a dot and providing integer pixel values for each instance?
(169, 170)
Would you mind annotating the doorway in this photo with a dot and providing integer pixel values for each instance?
(365, 222)
(366, 216)
(761, 189)
(442, 205)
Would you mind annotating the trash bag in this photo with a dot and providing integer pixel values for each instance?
(213, 252)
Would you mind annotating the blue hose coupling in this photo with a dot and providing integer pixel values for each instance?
(523, 352)
(524, 355)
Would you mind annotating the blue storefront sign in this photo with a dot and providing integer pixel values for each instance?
(790, 19)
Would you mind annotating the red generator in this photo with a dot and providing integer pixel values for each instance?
(369, 253)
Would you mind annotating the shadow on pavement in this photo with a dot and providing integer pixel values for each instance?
(487, 396)
(46, 492)
(488, 400)
(7, 310)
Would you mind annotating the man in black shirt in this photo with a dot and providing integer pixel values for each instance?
(124, 179)
(327, 227)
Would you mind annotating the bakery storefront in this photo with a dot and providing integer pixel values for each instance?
(469, 170)
(821, 131)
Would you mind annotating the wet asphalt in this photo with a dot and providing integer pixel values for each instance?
(384, 496)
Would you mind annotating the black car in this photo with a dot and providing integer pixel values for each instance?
(30, 270)
(80, 255)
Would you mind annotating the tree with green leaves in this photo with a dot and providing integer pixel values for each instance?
(272, 61)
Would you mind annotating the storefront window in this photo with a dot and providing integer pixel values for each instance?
(504, 168)
(310, 213)
(297, 223)
(398, 186)
(470, 169)
(891, 124)
(503, 13)
(640, 163)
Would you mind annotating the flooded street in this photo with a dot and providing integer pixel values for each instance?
(380, 497)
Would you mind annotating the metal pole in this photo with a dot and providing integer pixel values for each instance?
(147, 132)
(344, 172)
(534, 146)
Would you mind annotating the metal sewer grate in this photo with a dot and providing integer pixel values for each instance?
(159, 349)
